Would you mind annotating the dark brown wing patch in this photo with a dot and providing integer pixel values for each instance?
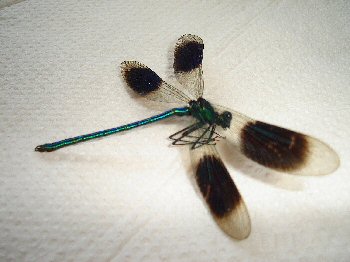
(273, 146)
(217, 186)
(140, 78)
(188, 54)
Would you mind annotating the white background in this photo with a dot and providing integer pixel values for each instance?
(130, 197)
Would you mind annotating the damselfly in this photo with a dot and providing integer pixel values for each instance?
(269, 145)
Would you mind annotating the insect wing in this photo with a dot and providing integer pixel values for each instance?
(220, 192)
(145, 82)
(279, 148)
(188, 56)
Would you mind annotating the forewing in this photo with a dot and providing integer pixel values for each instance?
(148, 84)
(188, 56)
(279, 148)
(220, 192)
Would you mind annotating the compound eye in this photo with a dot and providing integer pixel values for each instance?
(227, 115)
(226, 118)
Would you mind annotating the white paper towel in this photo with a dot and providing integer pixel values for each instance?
(130, 197)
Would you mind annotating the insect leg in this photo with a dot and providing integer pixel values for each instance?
(186, 132)
(197, 143)
(181, 131)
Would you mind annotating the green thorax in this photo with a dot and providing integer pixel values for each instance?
(203, 111)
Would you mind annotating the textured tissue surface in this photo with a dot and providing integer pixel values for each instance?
(131, 197)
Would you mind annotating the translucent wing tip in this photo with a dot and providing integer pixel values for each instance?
(189, 38)
(220, 192)
(321, 159)
(237, 222)
(127, 65)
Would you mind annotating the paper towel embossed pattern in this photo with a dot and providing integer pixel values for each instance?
(272, 146)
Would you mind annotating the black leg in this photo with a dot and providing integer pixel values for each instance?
(182, 130)
(199, 138)
(197, 141)
(185, 132)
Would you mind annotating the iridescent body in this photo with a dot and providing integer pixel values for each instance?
(78, 139)
(200, 109)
